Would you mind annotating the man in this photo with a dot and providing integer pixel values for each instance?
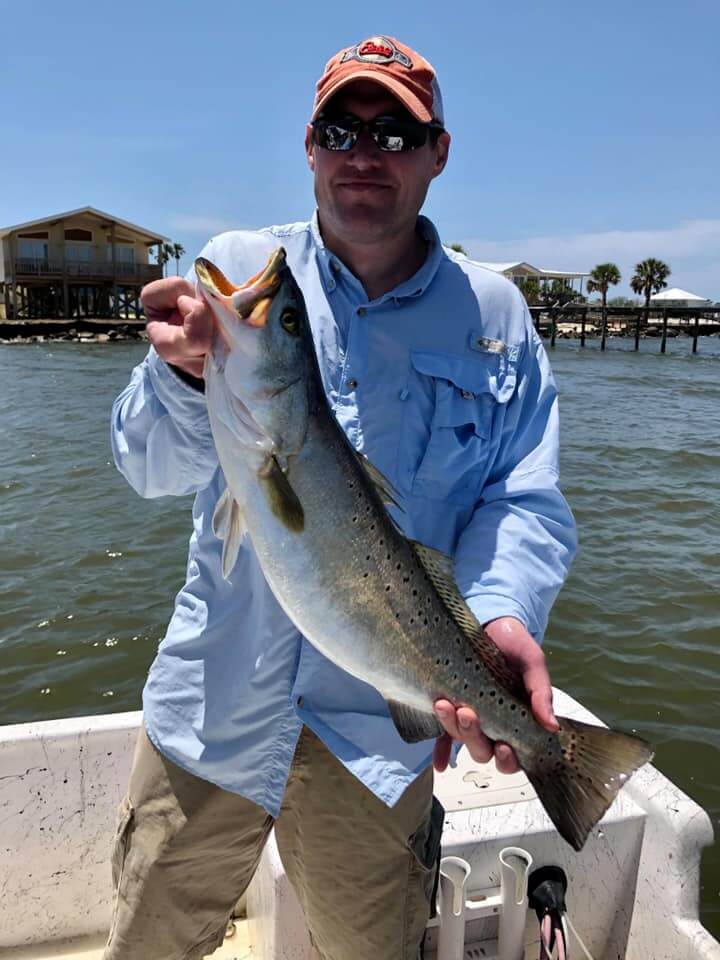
(433, 369)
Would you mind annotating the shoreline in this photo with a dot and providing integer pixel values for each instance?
(76, 330)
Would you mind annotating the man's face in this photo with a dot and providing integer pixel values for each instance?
(365, 194)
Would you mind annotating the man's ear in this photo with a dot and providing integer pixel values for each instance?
(309, 148)
(441, 153)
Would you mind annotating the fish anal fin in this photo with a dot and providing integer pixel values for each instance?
(580, 774)
(412, 724)
(440, 569)
(283, 500)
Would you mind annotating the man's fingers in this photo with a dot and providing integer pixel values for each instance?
(462, 724)
(537, 684)
(505, 759)
(183, 335)
(162, 295)
(197, 322)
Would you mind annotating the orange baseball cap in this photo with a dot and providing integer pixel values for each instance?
(398, 68)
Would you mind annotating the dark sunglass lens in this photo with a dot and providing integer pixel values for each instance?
(334, 136)
(396, 135)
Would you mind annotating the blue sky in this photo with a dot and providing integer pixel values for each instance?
(581, 132)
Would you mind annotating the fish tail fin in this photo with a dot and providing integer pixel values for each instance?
(581, 772)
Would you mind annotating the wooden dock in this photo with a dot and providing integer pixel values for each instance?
(586, 320)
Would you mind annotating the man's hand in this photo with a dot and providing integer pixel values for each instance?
(527, 659)
(179, 325)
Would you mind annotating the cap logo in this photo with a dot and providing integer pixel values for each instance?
(377, 50)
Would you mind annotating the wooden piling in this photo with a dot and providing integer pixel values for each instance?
(583, 319)
(696, 332)
(637, 330)
(553, 326)
(664, 333)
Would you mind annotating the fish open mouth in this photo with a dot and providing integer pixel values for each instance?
(262, 286)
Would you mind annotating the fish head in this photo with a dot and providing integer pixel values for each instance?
(260, 352)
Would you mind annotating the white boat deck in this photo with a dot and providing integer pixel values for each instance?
(633, 890)
(235, 947)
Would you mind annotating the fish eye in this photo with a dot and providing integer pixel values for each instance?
(290, 321)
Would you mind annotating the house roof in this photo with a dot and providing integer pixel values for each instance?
(502, 267)
(563, 274)
(675, 293)
(107, 218)
(534, 271)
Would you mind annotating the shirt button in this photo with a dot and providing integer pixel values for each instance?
(335, 266)
(331, 284)
(352, 383)
(361, 311)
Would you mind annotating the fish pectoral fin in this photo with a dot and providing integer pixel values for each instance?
(228, 525)
(440, 569)
(385, 489)
(283, 500)
(412, 724)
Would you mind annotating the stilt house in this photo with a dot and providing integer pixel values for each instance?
(83, 263)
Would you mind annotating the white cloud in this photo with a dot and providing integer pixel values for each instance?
(691, 249)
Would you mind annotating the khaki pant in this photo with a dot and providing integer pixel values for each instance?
(186, 850)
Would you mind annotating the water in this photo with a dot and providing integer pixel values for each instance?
(88, 570)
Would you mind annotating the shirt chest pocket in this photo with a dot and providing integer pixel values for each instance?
(459, 400)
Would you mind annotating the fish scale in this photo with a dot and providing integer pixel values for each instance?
(383, 608)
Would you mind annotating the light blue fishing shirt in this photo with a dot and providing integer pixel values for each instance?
(444, 384)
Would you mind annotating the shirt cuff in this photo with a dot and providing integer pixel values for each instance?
(183, 402)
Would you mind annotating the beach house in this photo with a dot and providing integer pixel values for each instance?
(82, 263)
(520, 272)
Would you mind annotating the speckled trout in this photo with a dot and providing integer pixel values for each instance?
(384, 608)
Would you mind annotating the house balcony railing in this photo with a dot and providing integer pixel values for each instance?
(43, 268)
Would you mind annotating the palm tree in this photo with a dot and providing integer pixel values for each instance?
(178, 250)
(529, 287)
(164, 253)
(601, 277)
(650, 277)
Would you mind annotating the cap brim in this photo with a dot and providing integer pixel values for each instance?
(397, 89)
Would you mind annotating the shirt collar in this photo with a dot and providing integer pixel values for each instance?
(331, 265)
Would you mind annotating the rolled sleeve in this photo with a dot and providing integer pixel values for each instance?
(160, 434)
(515, 553)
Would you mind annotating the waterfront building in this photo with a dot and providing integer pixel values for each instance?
(675, 297)
(520, 271)
(81, 263)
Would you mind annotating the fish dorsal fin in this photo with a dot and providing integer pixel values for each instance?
(386, 491)
(439, 568)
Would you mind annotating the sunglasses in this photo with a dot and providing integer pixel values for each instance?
(390, 134)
